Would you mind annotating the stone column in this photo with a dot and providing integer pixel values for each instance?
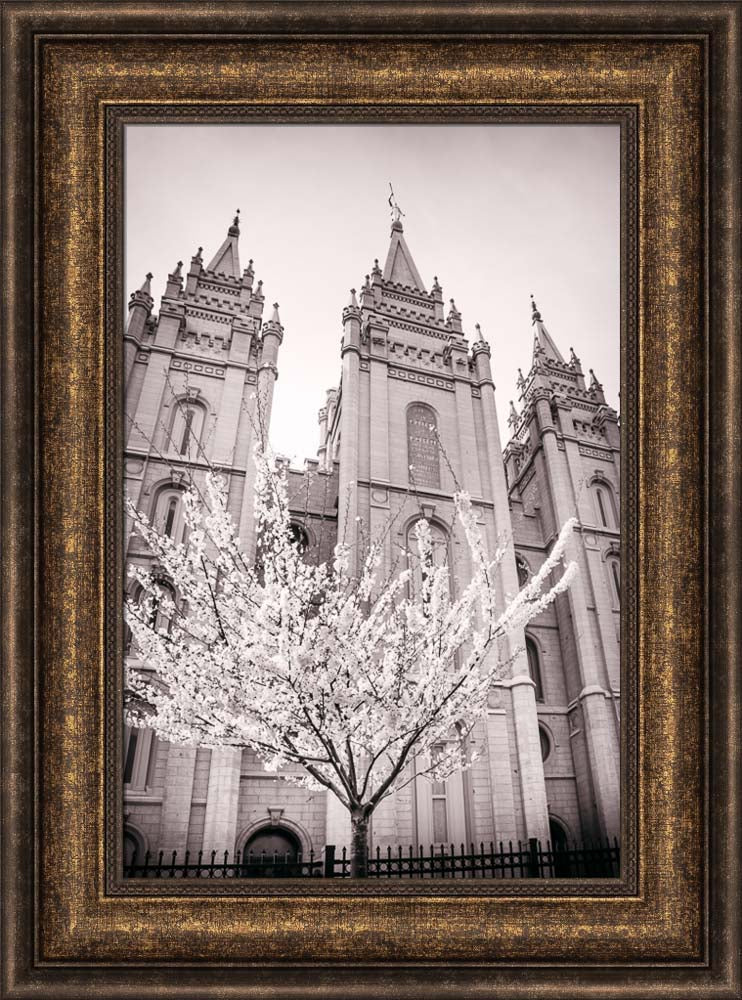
(501, 777)
(525, 717)
(222, 797)
(176, 801)
(601, 739)
(337, 825)
(349, 429)
(530, 762)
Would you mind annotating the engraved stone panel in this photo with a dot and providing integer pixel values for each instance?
(422, 446)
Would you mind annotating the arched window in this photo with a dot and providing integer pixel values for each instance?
(136, 597)
(162, 606)
(523, 571)
(534, 668)
(423, 452)
(168, 512)
(614, 572)
(299, 536)
(605, 506)
(186, 429)
(439, 538)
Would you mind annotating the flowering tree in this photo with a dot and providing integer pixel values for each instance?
(353, 677)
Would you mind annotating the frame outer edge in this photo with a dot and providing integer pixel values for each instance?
(17, 439)
(724, 474)
(17, 505)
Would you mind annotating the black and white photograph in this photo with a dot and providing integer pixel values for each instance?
(372, 466)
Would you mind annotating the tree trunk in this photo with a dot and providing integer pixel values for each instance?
(359, 844)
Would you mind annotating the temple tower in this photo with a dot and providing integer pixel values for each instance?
(564, 460)
(200, 378)
(416, 417)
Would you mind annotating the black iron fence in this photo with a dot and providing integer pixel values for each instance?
(601, 859)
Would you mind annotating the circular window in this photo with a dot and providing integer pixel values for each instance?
(545, 742)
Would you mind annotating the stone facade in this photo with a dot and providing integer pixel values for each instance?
(414, 414)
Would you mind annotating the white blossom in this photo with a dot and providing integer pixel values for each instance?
(335, 681)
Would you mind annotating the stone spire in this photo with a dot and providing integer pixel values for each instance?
(453, 320)
(400, 267)
(275, 321)
(227, 258)
(143, 297)
(175, 280)
(542, 343)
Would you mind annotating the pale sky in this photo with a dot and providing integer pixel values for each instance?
(495, 211)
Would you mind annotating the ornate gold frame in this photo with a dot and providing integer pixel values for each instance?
(68, 72)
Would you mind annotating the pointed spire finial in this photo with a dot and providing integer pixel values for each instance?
(199, 252)
(234, 229)
(178, 268)
(535, 314)
(146, 285)
(397, 212)
(353, 301)
(513, 415)
(480, 335)
(275, 318)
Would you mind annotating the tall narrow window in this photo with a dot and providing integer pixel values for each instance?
(606, 513)
(131, 750)
(601, 507)
(440, 553)
(615, 571)
(523, 573)
(423, 452)
(168, 512)
(170, 517)
(534, 668)
(161, 611)
(439, 807)
(187, 430)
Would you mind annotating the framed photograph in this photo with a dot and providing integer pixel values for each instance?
(370, 509)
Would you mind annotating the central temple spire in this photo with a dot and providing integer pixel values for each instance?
(397, 212)
(400, 268)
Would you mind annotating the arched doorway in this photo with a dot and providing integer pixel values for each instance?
(134, 853)
(560, 848)
(271, 851)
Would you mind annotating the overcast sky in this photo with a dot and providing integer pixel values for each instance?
(496, 211)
